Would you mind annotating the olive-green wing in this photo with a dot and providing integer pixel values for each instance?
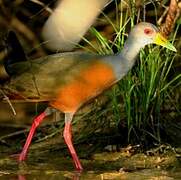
(40, 79)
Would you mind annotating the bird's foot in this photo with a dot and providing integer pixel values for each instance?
(77, 162)
(79, 169)
(19, 157)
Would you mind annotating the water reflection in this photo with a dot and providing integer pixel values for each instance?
(75, 176)
(55, 167)
(45, 171)
(89, 175)
(21, 177)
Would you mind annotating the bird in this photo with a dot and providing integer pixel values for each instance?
(68, 80)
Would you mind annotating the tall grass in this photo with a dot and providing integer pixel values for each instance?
(146, 87)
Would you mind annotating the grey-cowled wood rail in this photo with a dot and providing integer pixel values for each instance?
(69, 80)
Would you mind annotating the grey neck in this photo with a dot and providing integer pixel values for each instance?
(123, 61)
(130, 51)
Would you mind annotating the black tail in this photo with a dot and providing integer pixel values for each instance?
(14, 50)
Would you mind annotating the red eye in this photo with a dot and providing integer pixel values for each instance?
(148, 31)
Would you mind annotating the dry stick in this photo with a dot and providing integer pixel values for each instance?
(172, 15)
(144, 12)
(6, 98)
(160, 20)
(2, 138)
(16, 23)
(43, 5)
(23, 29)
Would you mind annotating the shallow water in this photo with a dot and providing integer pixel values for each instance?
(152, 174)
(107, 165)
(50, 160)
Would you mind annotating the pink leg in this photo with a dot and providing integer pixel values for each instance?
(35, 124)
(21, 177)
(67, 134)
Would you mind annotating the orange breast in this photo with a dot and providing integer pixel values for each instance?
(90, 82)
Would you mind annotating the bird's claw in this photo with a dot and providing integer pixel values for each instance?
(18, 157)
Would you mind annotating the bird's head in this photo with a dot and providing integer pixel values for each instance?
(147, 33)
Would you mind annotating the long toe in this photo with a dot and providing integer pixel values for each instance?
(18, 157)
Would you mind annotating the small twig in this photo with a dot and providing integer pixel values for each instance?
(23, 29)
(6, 98)
(160, 20)
(48, 136)
(4, 143)
(13, 134)
(43, 5)
(144, 12)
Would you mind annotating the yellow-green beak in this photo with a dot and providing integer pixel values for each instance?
(160, 40)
